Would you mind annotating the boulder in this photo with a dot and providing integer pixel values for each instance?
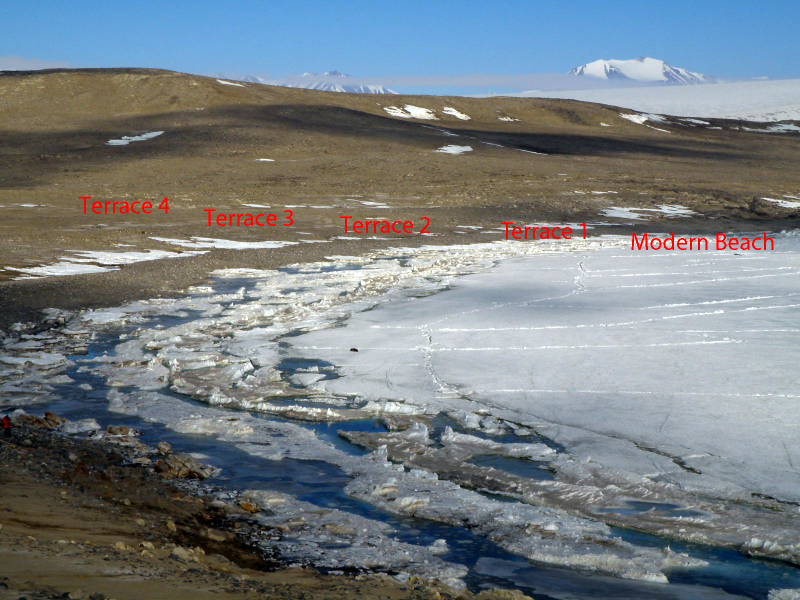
(183, 466)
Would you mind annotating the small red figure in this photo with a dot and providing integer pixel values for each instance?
(7, 425)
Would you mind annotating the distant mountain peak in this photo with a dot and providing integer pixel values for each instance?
(325, 74)
(329, 81)
(644, 69)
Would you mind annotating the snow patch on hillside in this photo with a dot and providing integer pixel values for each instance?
(127, 139)
(85, 262)
(451, 149)
(455, 113)
(204, 242)
(409, 111)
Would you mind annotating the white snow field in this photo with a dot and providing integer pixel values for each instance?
(668, 382)
(777, 100)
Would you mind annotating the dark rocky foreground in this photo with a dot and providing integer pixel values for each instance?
(105, 516)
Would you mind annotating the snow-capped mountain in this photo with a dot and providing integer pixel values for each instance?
(643, 69)
(330, 81)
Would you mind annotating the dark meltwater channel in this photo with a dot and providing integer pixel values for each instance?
(729, 574)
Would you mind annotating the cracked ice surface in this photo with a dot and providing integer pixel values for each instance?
(668, 376)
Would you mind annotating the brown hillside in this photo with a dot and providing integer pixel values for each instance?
(326, 148)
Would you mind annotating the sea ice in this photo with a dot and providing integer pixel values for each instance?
(623, 358)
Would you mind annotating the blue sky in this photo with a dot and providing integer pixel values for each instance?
(733, 38)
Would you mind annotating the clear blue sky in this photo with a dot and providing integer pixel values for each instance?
(725, 38)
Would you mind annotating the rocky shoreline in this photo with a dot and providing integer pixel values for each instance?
(97, 514)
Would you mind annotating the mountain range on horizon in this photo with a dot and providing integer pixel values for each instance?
(645, 71)
(329, 81)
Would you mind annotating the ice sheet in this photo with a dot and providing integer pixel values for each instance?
(749, 100)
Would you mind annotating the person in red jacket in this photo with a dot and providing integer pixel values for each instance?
(7, 426)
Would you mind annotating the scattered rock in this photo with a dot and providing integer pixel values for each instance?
(248, 506)
(181, 553)
(122, 546)
(170, 525)
(32, 421)
(183, 466)
(126, 431)
(214, 535)
(164, 448)
(54, 420)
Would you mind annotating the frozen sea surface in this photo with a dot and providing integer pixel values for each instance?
(670, 374)
(689, 354)
(532, 393)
